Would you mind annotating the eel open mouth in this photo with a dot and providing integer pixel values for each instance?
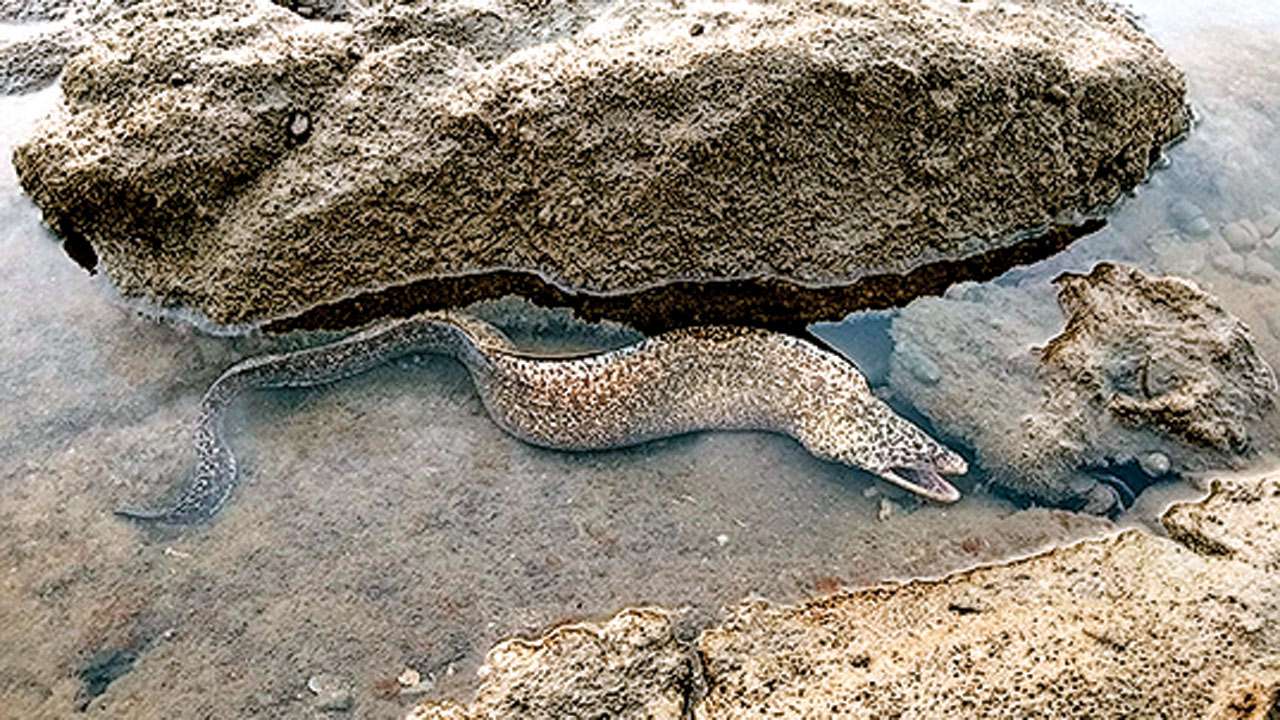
(925, 482)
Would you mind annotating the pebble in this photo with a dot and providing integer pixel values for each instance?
(1163, 241)
(333, 693)
(1154, 464)
(1270, 250)
(1269, 224)
(412, 683)
(409, 677)
(722, 540)
(1200, 227)
(1229, 263)
(1240, 235)
(1188, 217)
(1258, 271)
(922, 368)
(298, 125)
(1183, 211)
(888, 509)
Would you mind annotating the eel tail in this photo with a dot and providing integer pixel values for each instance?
(215, 476)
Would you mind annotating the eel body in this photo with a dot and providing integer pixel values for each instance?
(705, 378)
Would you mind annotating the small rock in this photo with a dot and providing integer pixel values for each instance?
(1154, 464)
(298, 125)
(1258, 271)
(1181, 259)
(887, 509)
(1229, 263)
(1161, 242)
(722, 540)
(1269, 224)
(333, 692)
(1273, 324)
(409, 677)
(1183, 213)
(1199, 228)
(412, 683)
(1240, 235)
(418, 689)
(1270, 250)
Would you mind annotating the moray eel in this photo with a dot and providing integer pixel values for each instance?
(703, 378)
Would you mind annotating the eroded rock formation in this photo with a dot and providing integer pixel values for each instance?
(1149, 375)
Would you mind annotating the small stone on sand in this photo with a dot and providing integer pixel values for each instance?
(409, 677)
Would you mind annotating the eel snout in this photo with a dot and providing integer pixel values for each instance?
(925, 481)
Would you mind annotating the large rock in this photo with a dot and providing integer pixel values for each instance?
(1149, 378)
(1127, 626)
(236, 158)
(1134, 626)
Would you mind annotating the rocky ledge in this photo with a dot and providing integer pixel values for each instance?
(252, 162)
(1132, 625)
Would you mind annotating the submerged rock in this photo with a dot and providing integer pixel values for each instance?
(604, 147)
(1143, 365)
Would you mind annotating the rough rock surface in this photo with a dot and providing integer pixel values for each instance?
(1128, 626)
(1149, 374)
(628, 667)
(33, 63)
(42, 35)
(237, 158)
(34, 10)
(1240, 521)
(1159, 351)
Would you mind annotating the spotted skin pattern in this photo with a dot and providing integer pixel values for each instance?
(703, 378)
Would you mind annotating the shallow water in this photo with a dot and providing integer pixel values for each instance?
(385, 522)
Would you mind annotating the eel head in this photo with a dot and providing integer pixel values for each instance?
(871, 436)
(911, 459)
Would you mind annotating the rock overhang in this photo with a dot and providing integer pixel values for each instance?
(604, 150)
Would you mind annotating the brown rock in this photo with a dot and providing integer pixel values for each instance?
(1159, 352)
(1106, 629)
(1240, 519)
(1127, 626)
(627, 667)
